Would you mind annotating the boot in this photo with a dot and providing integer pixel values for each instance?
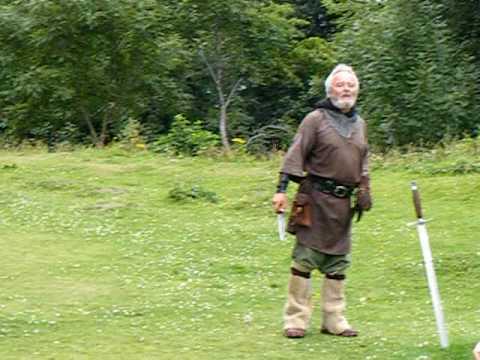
(298, 309)
(333, 307)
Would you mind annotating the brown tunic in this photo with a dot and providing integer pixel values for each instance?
(319, 149)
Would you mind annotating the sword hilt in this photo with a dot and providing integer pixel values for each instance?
(416, 200)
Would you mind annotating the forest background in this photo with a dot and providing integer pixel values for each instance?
(186, 76)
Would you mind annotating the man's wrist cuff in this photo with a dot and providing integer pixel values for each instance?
(282, 183)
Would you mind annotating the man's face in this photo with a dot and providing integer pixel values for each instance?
(344, 90)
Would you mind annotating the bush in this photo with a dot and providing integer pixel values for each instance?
(186, 138)
(182, 193)
(131, 135)
(270, 138)
(453, 157)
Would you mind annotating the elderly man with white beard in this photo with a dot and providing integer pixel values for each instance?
(329, 159)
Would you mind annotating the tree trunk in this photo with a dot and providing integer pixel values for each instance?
(218, 77)
(91, 128)
(223, 127)
(107, 117)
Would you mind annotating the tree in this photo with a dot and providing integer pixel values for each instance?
(319, 23)
(418, 84)
(87, 62)
(240, 44)
(463, 18)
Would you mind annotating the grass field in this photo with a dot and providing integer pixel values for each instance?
(99, 263)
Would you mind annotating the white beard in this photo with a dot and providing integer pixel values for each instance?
(342, 104)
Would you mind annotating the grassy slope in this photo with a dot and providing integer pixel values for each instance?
(98, 264)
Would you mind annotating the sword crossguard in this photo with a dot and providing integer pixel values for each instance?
(421, 221)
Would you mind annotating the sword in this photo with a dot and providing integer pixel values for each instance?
(428, 260)
(281, 225)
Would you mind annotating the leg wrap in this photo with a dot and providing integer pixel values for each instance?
(335, 276)
(297, 272)
(333, 306)
(298, 309)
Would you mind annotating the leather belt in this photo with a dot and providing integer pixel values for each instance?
(332, 187)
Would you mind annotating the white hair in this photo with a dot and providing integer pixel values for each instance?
(336, 70)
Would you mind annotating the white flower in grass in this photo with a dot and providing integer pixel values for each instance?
(248, 318)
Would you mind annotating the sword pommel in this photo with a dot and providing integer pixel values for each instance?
(416, 200)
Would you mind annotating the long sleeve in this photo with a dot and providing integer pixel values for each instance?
(303, 143)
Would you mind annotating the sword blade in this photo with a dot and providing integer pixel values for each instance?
(428, 261)
(432, 282)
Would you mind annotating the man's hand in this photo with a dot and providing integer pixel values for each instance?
(364, 200)
(279, 202)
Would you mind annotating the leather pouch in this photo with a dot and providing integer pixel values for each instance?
(301, 214)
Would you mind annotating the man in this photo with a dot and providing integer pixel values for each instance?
(329, 158)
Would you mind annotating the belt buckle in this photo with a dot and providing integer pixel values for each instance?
(340, 191)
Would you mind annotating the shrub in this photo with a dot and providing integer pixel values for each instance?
(270, 138)
(186, 138)
(181, 193)
(131, 135)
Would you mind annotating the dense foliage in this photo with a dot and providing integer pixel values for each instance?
(81, 71)
(419, 84)
(90, 63)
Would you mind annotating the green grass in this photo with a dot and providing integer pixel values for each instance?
(99, 263)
